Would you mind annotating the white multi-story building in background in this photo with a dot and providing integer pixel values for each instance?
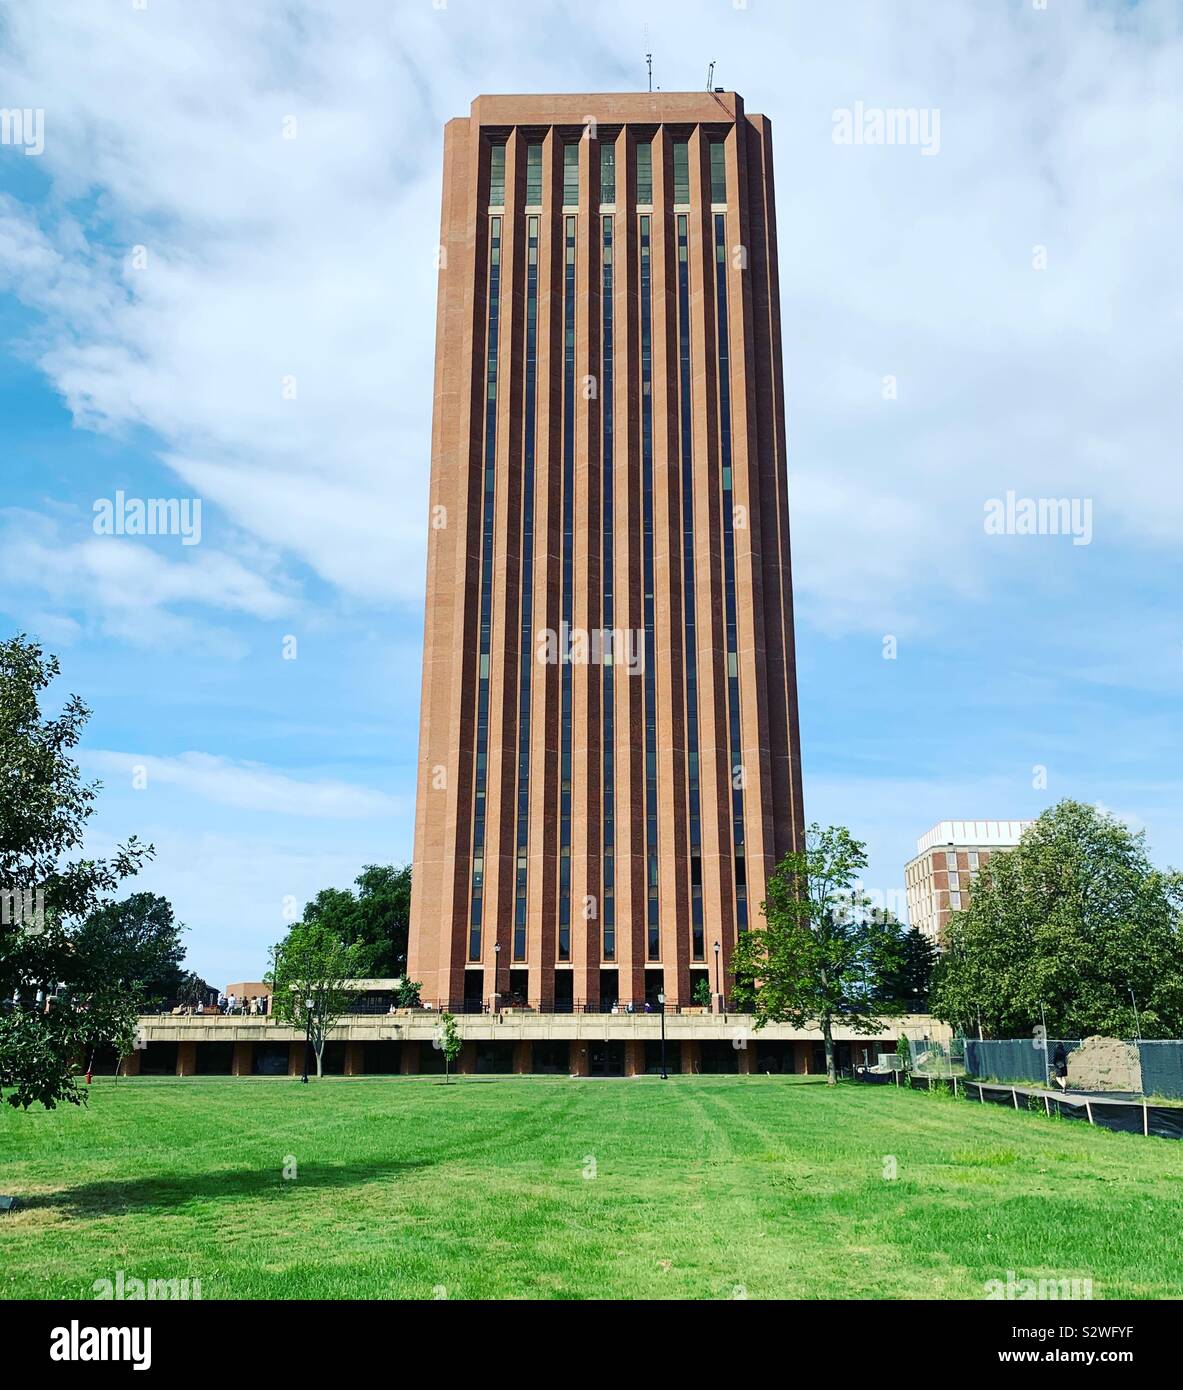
(947, 857)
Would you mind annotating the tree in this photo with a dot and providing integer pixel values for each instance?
(821, 958)
(908, 979)
(1073, 928)
(376, 919)
(57, 1001)
(449, 1041)
(308, 974)
(140, 940)
(408, 993)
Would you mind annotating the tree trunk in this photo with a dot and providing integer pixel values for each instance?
(828, 1034)
(319, 1060)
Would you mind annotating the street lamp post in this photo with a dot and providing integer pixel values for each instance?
(307, 1037)
(718, 977)
(496, 977)
(661, 1001)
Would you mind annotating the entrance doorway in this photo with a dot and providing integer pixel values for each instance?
(605, 1059)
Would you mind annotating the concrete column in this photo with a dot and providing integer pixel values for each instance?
(355, 1060)
(579, 1058)
(747, 1059)
(187, 1059)
(523, 1057)
(243, 1057)
(634, 1057)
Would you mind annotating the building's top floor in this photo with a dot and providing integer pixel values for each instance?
(607, 108)
(980, 834)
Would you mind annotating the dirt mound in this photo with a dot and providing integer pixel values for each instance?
(1105, 1064)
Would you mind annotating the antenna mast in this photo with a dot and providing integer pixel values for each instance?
(711, 75)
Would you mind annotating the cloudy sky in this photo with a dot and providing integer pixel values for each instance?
(217, 281)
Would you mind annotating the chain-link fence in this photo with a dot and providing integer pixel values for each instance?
(939, 1059)
(1030, 1059)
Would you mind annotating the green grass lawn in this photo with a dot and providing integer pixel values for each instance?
(703, 1187)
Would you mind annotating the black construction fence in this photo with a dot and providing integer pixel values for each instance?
(1021, 1059)
(1026, 1059)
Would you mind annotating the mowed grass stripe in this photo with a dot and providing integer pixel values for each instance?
(697, 1187)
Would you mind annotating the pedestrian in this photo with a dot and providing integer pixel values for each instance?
(1060, 1067)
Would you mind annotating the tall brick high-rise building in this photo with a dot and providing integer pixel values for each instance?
(609, 761)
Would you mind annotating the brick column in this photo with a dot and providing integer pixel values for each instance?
(523, 1057)
(187, 1059)
(690, 1056)
(747, 1058)
(466, 1062)
(409, 1059)
(243, 1057)
(129, 1066)
(634, 1057)
(296, 1059)
(579, 1057)
(801, 1051)
(355, 1061)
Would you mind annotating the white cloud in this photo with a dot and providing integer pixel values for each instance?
(129, 588)
(246, 786)
(313, 258)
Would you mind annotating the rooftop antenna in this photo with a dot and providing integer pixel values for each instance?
(711, 75)
(648, 58)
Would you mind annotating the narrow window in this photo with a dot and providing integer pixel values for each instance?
(681, 172)
(497, 176)
(607, 522)
(526, 590)
(645, 173)
(607, 172)
(570, 175)
(534, 175)
(718, 173)
(486, 597)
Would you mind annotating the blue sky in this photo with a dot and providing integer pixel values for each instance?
(279, 166)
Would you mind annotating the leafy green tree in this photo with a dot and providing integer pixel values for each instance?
(908, 978)
(701, 993)
(450, 1042)
(376, 919)
(1072, 927)
(408, 993)
(58, 1001)
(308, 975)
(821, 957)
(139, 939)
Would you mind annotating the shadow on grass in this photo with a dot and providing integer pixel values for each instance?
(137, 1196)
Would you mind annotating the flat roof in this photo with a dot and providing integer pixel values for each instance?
(984, 833)
(576, 108)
